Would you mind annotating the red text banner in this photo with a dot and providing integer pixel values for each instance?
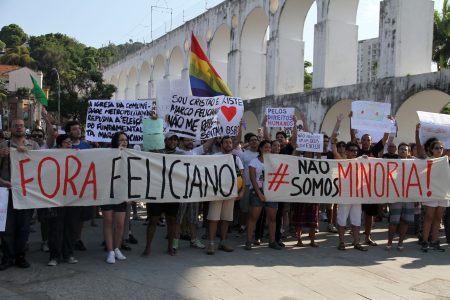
(362, 180)
(49, 178)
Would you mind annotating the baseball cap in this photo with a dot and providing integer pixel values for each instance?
(169, 135)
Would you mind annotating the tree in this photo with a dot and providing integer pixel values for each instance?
(13, 35)
(307, 81)
(2, 45)
(3, 90)
(18, 55)
(441, 39)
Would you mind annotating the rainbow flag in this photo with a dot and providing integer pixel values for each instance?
(205, 81)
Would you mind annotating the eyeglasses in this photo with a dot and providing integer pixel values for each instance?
(37, 136)
(352, 150)
(67, 142)
(438, 148)
(253, 140)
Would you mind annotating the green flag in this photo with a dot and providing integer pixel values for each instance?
(38, 92)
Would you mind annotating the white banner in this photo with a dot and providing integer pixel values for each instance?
(48, 178)
(280, 117)
(434, 125)
(105, 117)
(165, 89)
(362, 180)
(202, 118)
(310, 142)
(370, 116)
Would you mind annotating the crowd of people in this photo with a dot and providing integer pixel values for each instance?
(61, 227)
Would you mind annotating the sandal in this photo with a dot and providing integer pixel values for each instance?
(341, 246)
(388, 247)
(359, 247)
(314, 245)
(370, 243)
(299, 244)
(400, 247)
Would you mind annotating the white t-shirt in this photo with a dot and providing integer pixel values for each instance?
(247, 157)
(196, 151)
(259, 170)
(238, 161)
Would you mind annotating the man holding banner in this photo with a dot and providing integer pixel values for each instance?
(17, 229)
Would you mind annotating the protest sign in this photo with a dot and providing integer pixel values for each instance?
(4, 193)
(48, 178)
(378, 135)
(202, 118)
(310, 142)
(354, 181)
(280, 117)
(153, 134)
(105, 117)
(370, 116)
(434, 125)
(165, 89)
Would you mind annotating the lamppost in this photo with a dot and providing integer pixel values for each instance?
(58, 93)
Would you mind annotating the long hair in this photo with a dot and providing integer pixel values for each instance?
(115, 139)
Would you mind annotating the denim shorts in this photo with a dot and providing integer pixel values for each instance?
(256, 202)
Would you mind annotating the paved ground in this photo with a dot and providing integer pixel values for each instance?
(263, 273)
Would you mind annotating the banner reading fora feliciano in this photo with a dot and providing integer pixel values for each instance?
(354, 181)
(48, 178)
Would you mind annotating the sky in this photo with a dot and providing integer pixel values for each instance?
(97, 22)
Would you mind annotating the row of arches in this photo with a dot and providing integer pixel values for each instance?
(275, 24)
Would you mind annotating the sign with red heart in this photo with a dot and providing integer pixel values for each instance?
(229, 112)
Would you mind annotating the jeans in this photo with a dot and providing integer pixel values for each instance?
(17, 230)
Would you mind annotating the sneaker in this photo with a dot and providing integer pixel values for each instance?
(248, 245)
(436, 245)
(111, 257)
(119, 254)
(79, 245)
(44, 247)
(71, 260)
(125, 247)
(425, 247)
(332, 228)
(197, 244)
(211, 249)
(224, 247)
(274, 245)
(242, 229)
(21, 262)
(6, 264)
(132, 239)
(52, 263)
(162, 222)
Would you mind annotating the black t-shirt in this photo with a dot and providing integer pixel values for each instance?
(373, 151)
(288, 149)
(391, 156)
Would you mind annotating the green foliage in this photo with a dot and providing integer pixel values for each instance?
(3, 90)
(307, 82)
(113, 53)
(23, 93)
(441, 39)
(446, 110)
(13, 35)
(18, 55)
(2, 45)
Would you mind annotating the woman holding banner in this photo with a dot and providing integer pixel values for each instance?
(258, 200)
(115, 212)
(62, 222)
(434, 210)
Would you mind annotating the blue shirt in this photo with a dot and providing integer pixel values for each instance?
(82, 145)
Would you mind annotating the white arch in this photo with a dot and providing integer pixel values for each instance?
(252, 79)
(340, 107)
(130, 92)
(158, 73)
(122, 86)
(219, 49)
(291, 49)
(143, 78)
(114, 81)
(175, 63)
(406, 116)
(251, 123)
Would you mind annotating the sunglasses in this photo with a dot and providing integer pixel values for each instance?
(38, 136)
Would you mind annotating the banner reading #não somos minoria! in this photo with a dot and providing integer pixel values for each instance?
(48, 178)
(353, 181)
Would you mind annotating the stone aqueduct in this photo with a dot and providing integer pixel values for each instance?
(257, 46)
